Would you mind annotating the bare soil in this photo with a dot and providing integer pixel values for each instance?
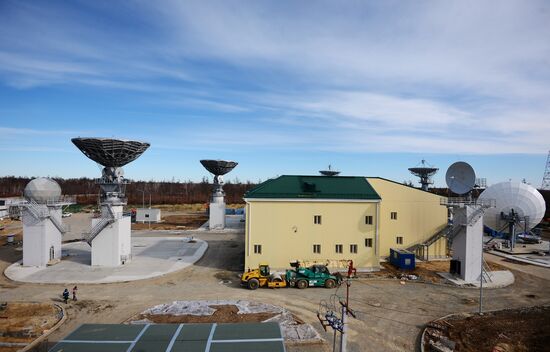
(517, 330)
(8, 226)
(223, 314)
(188, 221)
(23, 322)
(426, 271)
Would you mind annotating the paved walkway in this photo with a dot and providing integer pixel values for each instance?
(151, 257)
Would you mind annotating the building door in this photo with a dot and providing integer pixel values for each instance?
(52, 253)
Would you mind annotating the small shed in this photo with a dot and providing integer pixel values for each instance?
(147, 215)
(402, 258)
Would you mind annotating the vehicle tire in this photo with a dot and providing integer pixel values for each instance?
(253, 284)
(301, 284)
(329, 283)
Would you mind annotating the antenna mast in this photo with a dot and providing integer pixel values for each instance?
(546, 178)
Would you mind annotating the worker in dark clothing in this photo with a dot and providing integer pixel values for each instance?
(65, 296)
(74, 293)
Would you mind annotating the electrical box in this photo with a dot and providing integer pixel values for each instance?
(402, 259)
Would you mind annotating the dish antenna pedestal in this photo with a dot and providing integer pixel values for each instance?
(466, 235)
(425, 172)
(217, 202)
(110, 234)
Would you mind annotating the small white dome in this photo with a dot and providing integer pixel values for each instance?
(42, 190)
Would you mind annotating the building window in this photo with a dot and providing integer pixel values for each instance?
(317, 248)
(368, 242)
(353, 248)
(258, 249)
(146, 215)
(393, 215)
(399, 240)
(317, 219)
(368, 220)
(339, 248)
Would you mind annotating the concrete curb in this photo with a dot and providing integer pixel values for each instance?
(517, 258)
(41, 338)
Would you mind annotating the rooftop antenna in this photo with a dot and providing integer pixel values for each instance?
(217, 203)
(329, 172)
(425, 172)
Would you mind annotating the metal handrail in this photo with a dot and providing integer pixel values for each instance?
(463, 201)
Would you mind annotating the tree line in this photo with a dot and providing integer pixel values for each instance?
(86, 190)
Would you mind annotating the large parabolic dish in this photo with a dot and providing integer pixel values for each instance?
(218, 167)
(524, 199)
(110, 152)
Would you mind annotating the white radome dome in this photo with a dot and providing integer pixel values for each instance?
(42, 190)
(524, 199)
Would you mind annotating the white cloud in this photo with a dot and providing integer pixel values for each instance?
(462, 76)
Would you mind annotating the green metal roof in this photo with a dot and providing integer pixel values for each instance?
(315, 187)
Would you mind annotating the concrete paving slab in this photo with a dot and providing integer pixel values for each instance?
(264, 346)
(107, 332)
(151, 257)
(499, 279)
(533, 259)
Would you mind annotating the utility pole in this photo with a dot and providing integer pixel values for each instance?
(345, 311)
(339, 324)
(142, 197)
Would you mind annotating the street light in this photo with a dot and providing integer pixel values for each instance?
(143, 197)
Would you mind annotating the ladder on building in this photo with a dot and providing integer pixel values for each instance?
(103, 223)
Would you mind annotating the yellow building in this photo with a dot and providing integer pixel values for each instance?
(334, 219)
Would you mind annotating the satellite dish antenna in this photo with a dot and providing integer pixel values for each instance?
(520, 199)
(329, 172)
(460, 177)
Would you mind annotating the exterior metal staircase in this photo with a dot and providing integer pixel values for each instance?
(103, 223)
(419, 248)
(40, 212)
(473, 217)
(486, 272)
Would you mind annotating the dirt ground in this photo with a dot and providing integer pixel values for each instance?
(24, 321)
(425, 271)
(8, 226)
(187, 221)
(223, 314)
(517, 330)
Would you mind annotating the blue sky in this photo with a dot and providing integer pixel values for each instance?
(370, 87)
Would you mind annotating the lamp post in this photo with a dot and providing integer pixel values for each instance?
(143, 197)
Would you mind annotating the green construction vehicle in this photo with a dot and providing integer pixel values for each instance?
(313, 276)
(301, 277)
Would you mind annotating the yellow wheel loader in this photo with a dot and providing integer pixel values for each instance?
(261, 277)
